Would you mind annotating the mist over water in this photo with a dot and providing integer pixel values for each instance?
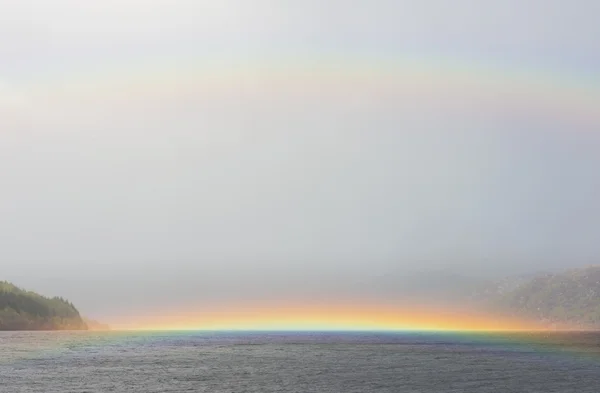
(193, 155)
(297, 197)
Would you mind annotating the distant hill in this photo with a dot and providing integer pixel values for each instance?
(565, 299)
(25, 310)
(570, 298)
(95, 325)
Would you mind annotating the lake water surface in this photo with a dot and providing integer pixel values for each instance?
(66, 362)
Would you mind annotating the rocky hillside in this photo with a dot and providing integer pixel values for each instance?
(25, 310)
(570, 298)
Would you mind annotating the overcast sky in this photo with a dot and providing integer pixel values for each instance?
(150, 156)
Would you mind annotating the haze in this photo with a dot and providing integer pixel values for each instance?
(164, 153)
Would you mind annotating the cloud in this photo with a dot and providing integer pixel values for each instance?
(132, 166)
(68, 30)
(13, 103)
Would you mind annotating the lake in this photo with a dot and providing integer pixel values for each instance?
(70, 362)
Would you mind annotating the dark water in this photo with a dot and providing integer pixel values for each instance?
(299, 362)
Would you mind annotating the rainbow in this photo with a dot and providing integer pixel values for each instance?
(295, 320)
(431, 81)
(334, 316)
(326, 316)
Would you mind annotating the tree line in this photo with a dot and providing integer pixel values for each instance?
(26, 310)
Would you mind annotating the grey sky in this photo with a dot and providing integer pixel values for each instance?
(262, 192)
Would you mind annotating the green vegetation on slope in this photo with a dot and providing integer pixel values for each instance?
(25, 310)
(570, 298)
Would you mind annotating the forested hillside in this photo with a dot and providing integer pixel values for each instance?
(25, 310)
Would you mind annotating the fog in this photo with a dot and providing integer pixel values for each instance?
(154, 154)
